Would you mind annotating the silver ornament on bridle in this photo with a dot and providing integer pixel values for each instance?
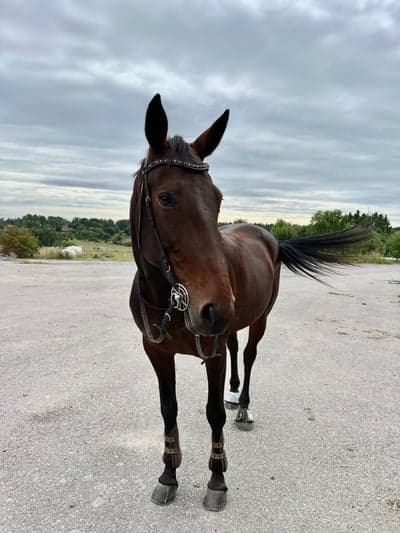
(179, 297)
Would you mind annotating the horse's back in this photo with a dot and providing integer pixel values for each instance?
(252, 254)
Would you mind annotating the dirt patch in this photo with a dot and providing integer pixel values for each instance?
(394, 504)
(309, 414)
(51, 415)
(379, 334)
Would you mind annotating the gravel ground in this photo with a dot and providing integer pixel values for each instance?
(81, 434)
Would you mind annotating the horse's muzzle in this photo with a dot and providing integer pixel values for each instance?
(213, 319)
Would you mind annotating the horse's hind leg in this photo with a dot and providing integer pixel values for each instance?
(232, 396)
(244, 419)
(164, 365)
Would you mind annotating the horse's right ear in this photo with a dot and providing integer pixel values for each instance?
(156, 124)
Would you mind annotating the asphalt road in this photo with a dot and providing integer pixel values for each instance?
(81, 434)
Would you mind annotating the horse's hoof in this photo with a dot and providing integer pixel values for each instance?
(244, 419)
(244, 426)
(163, 494)
(215, 500)
(232, 400)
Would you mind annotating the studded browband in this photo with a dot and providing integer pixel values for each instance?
(198, 167)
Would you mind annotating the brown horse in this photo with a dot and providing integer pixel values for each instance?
(198, 284)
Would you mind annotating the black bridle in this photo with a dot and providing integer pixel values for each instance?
(179, 296)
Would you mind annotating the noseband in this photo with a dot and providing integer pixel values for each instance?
(179, 296)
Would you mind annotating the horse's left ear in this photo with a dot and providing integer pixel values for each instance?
(207, 142)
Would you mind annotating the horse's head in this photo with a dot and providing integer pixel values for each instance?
(185, 204)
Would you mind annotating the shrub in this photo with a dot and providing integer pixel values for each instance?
(18, 241)
(375, 244)
(393, 245)
(117, 238)
(283, 230)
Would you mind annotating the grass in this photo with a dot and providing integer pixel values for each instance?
(92, 251)
(371, 257)
(50, 252)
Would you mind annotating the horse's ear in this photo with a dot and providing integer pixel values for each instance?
(207, 142)
(156, 124)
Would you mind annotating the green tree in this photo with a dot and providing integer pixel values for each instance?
(18, 241)
(393, 245)
(46, 236)
(283, 230)
(124, 226)
(57, 223)
(267, 227)
(328, 222)
(379, 221)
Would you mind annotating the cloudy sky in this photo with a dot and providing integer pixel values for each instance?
(313, 87)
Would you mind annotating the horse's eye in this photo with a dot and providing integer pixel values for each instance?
(166, 199)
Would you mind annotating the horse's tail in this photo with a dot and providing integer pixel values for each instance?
(309, 256)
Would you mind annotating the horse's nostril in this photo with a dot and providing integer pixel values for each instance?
(213, 321)
(208, 314)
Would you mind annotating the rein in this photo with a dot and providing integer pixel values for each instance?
(179, 296)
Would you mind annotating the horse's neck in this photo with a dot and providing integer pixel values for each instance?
(156, 289)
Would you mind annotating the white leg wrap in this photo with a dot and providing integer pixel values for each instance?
(232, 397)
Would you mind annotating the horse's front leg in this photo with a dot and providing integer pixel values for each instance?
(164, 366)
(215, 498)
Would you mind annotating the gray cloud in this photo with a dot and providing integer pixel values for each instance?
(313, 88)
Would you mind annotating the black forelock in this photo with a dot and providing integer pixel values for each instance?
(178, 147)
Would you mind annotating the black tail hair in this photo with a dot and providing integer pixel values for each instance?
(316, 255)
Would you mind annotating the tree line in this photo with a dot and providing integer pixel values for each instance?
(58, 231)
(386, 239)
